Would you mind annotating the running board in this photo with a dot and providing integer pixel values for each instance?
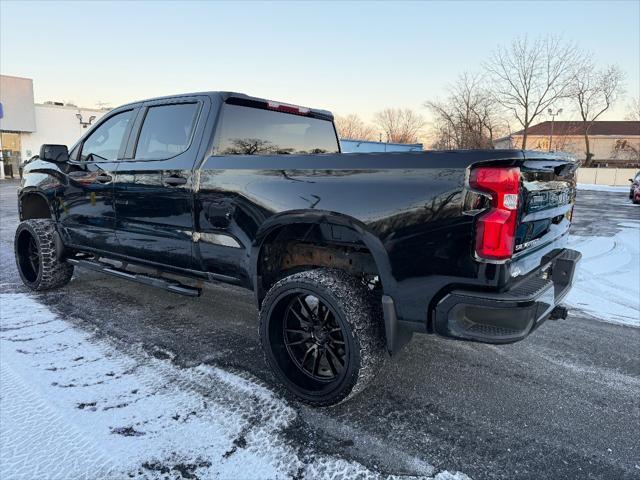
(168, 285)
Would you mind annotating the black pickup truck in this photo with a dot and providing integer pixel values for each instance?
(348, 254)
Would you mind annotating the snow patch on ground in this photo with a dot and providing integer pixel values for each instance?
(73, 406)
(604, 188)
(607, 283)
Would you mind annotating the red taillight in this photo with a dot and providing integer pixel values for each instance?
(495, 230)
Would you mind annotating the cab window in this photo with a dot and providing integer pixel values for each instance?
(104, 142)
(254, 131)
(166, 131)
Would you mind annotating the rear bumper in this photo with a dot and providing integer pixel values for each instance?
(511, 315)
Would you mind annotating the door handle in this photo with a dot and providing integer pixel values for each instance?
(104, 178)
(174, 181)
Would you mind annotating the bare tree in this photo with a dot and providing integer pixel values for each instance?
(595, 91)
(467, 118)
(400, 126)
(254, 146)
(633, 110)
(527, 77)
(353, 128)
(625, 150)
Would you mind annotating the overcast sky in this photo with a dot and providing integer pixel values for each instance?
(357, 57)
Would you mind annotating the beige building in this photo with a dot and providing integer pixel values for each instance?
(612, 143)
(26, 125)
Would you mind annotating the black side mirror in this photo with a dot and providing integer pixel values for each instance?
(54, 153)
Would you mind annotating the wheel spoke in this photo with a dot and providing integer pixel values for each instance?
(297, 342)
(326, 316)
(330, 350)
(306, 354)
(296, 330)
(306, 307)
(300, 319)
(333, 368)
(316, 361)
(35, 262)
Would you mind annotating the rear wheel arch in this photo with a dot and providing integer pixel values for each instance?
(330, 225)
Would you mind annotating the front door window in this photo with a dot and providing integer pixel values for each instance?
(105, 141)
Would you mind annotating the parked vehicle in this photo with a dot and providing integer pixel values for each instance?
(635, 185)
(636, 195)
(348, 254)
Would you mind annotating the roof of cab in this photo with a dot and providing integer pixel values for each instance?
(224, 96)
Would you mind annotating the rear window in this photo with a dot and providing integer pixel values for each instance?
(166, 131)
(253, 131)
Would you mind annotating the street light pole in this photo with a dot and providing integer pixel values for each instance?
(553, 117)
(85, 124)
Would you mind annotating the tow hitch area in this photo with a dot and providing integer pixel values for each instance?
(511, 315)
(559, 313)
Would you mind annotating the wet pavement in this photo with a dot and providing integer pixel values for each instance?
(563, 403)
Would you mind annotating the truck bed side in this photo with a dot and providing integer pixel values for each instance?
(410, 209)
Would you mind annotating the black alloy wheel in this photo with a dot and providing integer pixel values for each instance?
(37, 255)
(28, 255)
(314, 340)
(322, 334)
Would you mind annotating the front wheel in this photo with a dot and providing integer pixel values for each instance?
(322, 335)
(36, 256)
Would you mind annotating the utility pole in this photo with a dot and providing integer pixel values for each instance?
(553, 117)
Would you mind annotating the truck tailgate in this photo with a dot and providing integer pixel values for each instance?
(547, 198)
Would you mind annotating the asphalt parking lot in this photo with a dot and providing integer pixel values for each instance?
(561, 404)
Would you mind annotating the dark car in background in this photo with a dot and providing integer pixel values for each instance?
(634, 193)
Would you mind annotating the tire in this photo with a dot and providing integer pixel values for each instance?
(317, 363)
(36, 256)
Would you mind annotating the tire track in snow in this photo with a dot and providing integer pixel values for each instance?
(153, 418)
(27, 426)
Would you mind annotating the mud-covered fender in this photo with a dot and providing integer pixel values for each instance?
(369, 239)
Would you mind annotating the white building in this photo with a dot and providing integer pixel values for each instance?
(366, 146)
(26, 125)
